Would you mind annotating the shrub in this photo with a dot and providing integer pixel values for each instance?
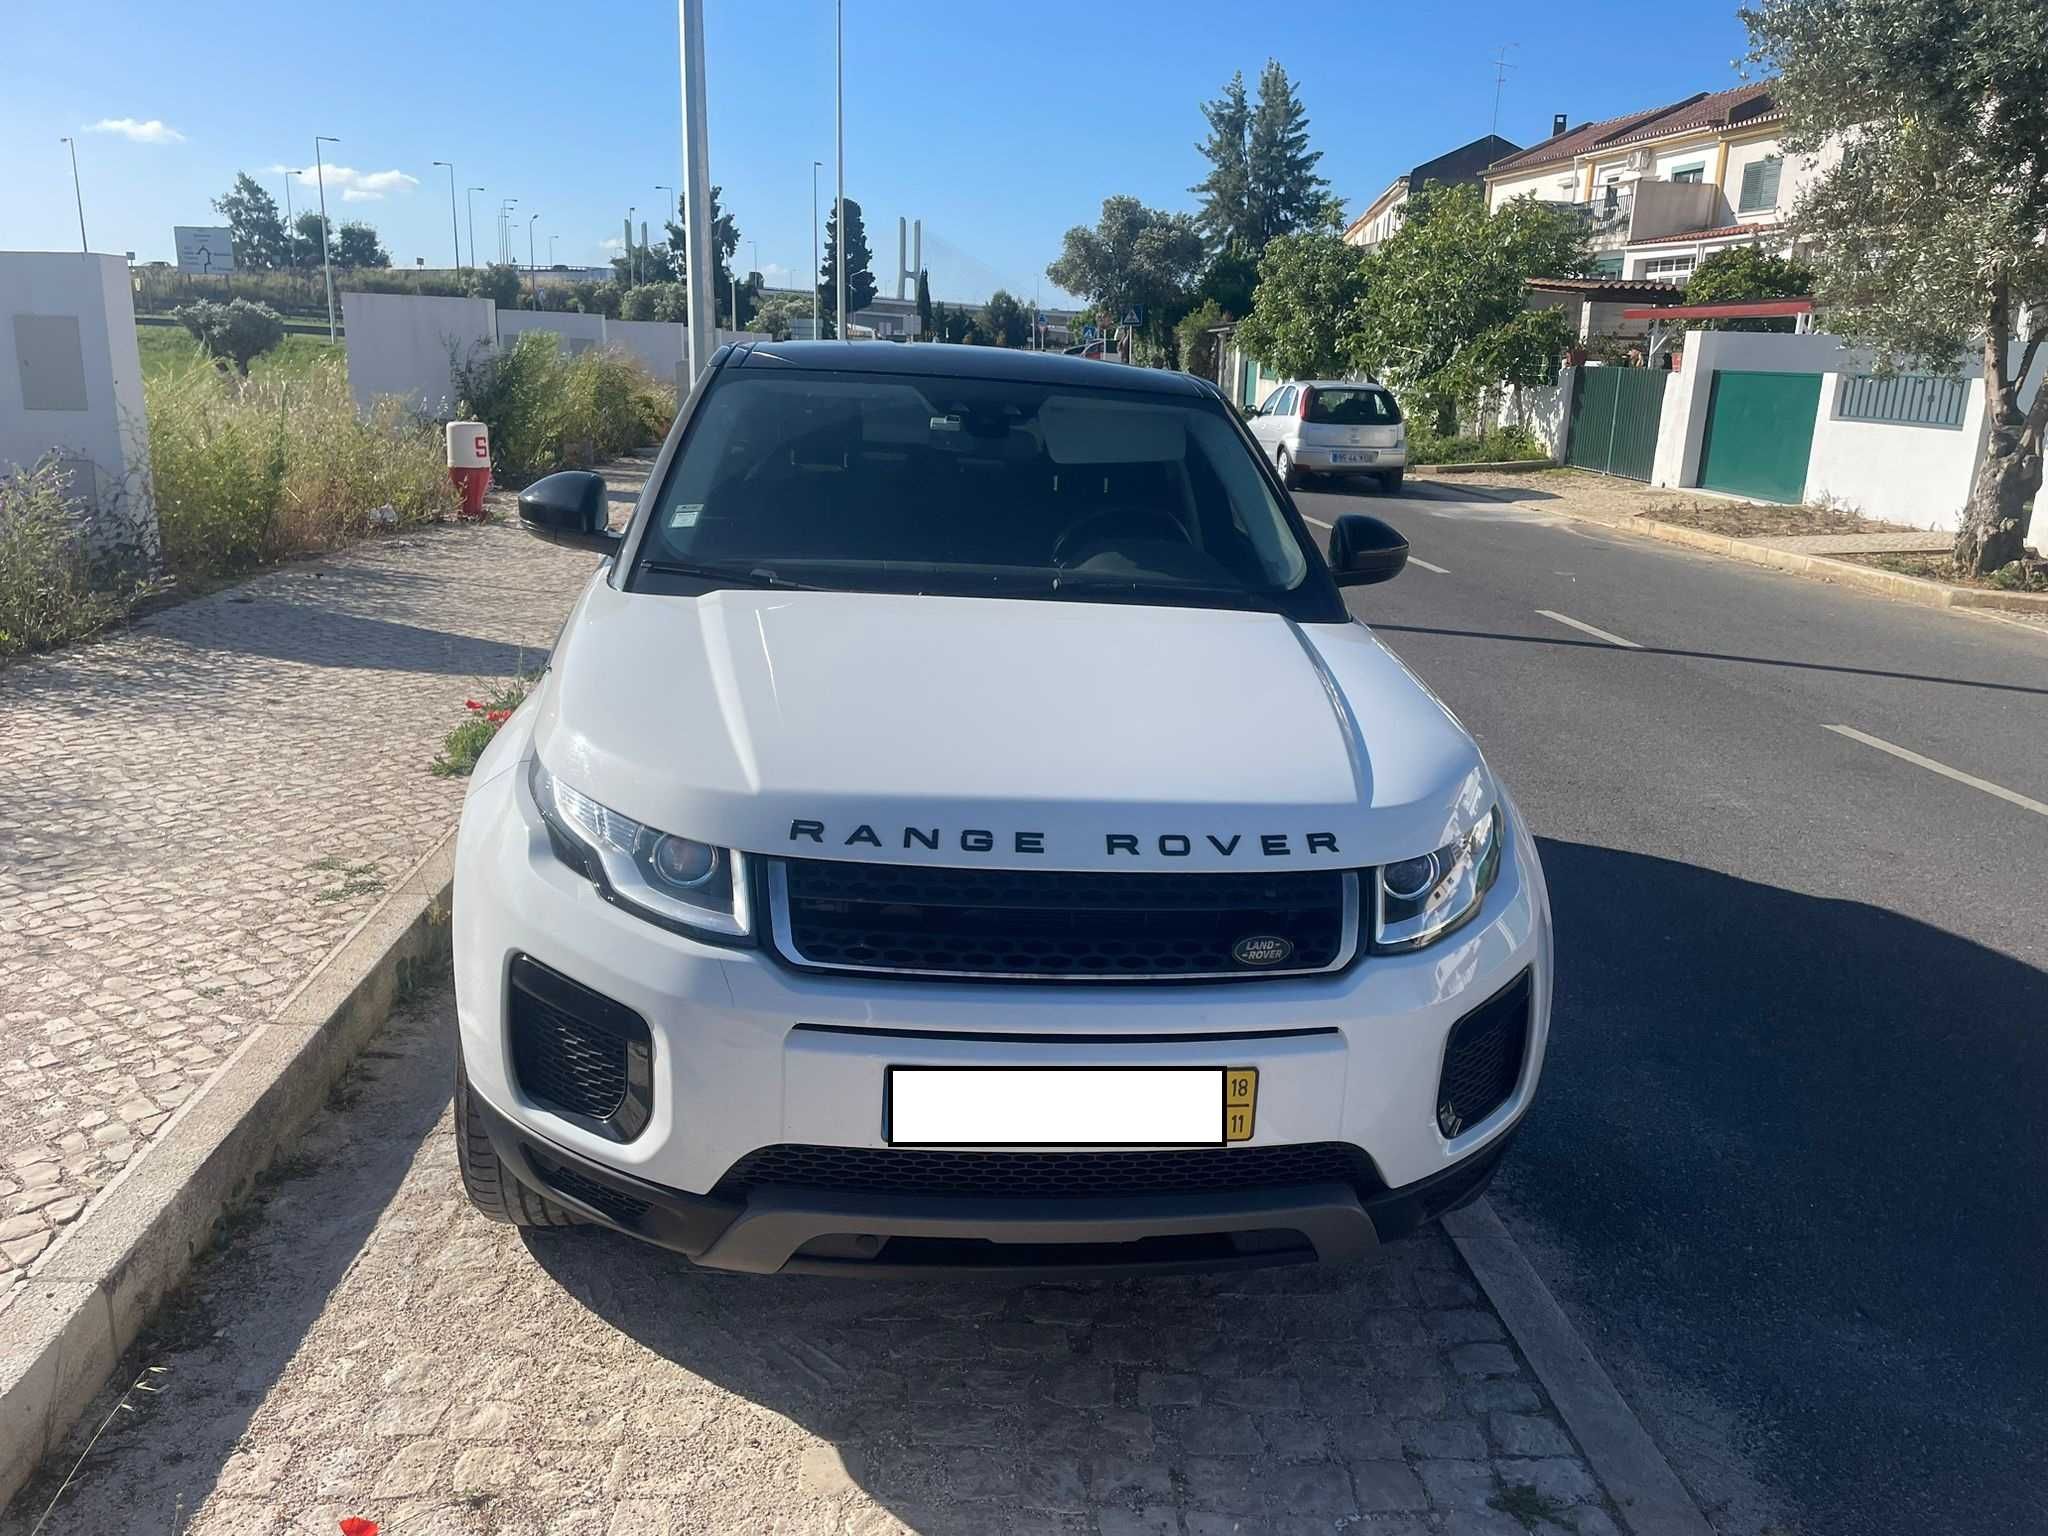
(498, 282)
(656, 301)
(1498, 446)
(235, 332)
(547, 409)
(249, 472)
(47, 594)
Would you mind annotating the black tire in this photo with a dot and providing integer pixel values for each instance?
(1283, 464)
(1390, 482)
(490, 1185)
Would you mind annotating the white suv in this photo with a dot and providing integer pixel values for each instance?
(1332, 427)
(961, 827)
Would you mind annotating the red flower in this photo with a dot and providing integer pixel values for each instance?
(499, 716)
(471, 704)
(356, 1525)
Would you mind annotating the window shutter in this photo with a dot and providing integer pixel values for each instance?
(1760, 185)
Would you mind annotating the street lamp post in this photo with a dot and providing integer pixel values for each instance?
(672, 203)
(291, 235)
(839, 320)
(505, 207)
(469, 197)
(532, 276)
(632, 250)
(698, 262)
(326, 260)
(75, 192)
(454, 228)
(551, 253)
(816, 166)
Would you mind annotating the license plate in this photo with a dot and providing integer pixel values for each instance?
(1359, 456)
(1043, 1107)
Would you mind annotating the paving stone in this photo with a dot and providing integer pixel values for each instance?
(1525, 1434)
(1158, 1389)
(1151, 1520)
(1115, 1479)
(1444, 1439)
(1217, 1432)
(1562, 1478)
(1458, 1484)
(1320, 1489)
(1484, 1360)
(1386, 1485)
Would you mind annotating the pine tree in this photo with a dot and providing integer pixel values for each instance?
(924, 305)
(860, 281)
(254, 228)
(1226, 212)
(1286, 192)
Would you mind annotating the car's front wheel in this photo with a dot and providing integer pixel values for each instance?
(1290, 477)
(490, 1185)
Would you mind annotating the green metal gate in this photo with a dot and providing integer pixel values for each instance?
(1759, 433)
(1615, 412)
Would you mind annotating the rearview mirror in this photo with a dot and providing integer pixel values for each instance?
(1364, 551)
(568, 508)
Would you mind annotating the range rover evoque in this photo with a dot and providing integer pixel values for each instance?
(961, 827)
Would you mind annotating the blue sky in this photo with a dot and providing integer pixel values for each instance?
(999, 125)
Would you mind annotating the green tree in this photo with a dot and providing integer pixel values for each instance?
(655, 301)
(357, 245)
(1197, 346)
(1926, 233)
(1286, 192)
(1005, 320)
(778, 313)
(924, 305)
(499, 282)
(1231, 276)
(234, 333)
(1450, 279)
(254, 227)
(1225, 216)
(1311, 288)
(860, 281)
(1135, 257)
(1747, 274)
(306, 248)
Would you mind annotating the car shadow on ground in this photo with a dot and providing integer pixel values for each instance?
(1796, 1144)
(1421, 488)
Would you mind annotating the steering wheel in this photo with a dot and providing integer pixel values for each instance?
(1113, 522)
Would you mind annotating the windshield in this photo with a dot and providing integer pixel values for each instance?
(1351, 408)
(972, 487)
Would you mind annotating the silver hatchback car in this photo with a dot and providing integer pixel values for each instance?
(1333, 427)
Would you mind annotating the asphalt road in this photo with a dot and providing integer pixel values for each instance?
(1787, 1171)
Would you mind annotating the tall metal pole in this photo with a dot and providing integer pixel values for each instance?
(532, 276)
(632, 250)
(672, 203)
(816, 166)
(454, 228)
(291, 235)
(326, 261)
(697, 236)
(839, 320)
(75, 192)
(469, 197)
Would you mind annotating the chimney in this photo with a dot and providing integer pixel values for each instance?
(1556, 124)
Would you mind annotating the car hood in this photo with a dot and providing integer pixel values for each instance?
(1021, 734)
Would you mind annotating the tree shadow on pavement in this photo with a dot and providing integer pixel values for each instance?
(1792, 1147)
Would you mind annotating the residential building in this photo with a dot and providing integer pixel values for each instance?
(1463, 166)
(1662, 189)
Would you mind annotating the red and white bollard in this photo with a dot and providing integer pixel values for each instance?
(469, 463)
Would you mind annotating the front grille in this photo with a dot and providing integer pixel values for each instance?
(1483, 1058)
(578, 1052)
(621, 1207)
(1059, 926)
(1051, 1175)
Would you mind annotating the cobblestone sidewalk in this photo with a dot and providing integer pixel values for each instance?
(193, 811)
(372, 1347)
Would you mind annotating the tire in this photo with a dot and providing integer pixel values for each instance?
(489, 1184)
(1283, 465)
(1390, 482)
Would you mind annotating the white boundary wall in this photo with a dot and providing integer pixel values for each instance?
(1918, 475)
(71, 382)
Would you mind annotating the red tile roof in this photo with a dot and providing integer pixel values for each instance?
(1688, 236)
(1705, 109)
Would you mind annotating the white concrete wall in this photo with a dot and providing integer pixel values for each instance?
(1558, 183)
(1545, 409)
(83, 402)
(402, 344)
(660, 345)
(576, 330)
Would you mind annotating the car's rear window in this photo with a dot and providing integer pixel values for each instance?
(1351, 408)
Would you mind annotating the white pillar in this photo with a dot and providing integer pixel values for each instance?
(698, 269)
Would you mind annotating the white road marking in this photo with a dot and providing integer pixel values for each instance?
(1583, 628)
(1413, 559)
(1905, 754)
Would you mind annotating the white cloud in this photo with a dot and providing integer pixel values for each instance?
(155, 131)
(355, 186)
(614, 243)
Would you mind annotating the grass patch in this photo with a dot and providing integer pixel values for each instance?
(356, 879)
(466, 743)
(1526, 1503)
(169, 350)
(49, 591)
(2026, 575)
(249, 472)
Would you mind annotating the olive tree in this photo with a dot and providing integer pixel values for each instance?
(1926, 231)
(234, 333)
(1309, 292)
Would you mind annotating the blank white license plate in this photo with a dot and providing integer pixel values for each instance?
(1056, 1106)
(1357, 456)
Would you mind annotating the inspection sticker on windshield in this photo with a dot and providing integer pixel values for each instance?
(686, 515)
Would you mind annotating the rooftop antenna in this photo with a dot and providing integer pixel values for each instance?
(1501, 66)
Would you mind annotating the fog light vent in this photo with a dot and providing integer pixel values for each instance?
(578, 1053)
(1483, 1059)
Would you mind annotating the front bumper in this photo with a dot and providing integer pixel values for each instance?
(749, 1053)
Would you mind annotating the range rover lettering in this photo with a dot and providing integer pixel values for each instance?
(962, 827)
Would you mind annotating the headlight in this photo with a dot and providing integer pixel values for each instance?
(1421, 900)
(689, 886)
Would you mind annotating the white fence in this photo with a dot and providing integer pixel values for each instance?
(409, 346)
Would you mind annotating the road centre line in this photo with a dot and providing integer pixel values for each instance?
(1907, 755)
(1413, 559)
(1584, 628)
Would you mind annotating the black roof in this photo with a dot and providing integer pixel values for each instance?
(945, 360)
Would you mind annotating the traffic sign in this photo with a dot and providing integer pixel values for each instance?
(1089, 332)
(1135, 315)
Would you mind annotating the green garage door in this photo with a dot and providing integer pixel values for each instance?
(1759, 434)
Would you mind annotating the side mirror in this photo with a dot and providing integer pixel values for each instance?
(568, 508)
(1364, 551)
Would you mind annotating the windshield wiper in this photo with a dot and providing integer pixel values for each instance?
(1117, 588)
(756, 576)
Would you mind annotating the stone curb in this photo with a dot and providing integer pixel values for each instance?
(1477, 469)
(88, 1297)
(1651, 1499)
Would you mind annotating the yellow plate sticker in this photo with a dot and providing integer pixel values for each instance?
(1240, 1102)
